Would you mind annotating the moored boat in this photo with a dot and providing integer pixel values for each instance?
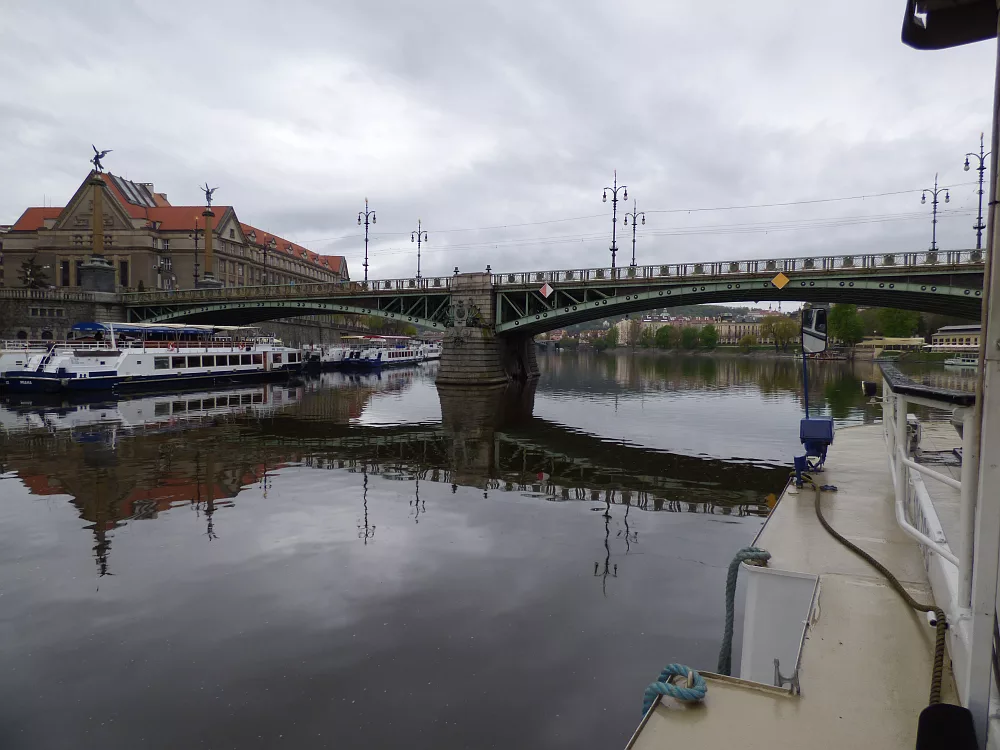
(376, 352)
(138, 357)
(962, 360)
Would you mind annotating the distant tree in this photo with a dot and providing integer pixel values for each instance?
(665, 338)
(646, 338)
(786, 330)
(611, 337)
(845, 324)
(709, 336)
(748, 342)
(690, 337)
(32, 274)
(634, 331)
(898, 323)
(870, 320)
(768, 327)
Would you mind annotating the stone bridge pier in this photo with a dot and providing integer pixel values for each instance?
(472, 354)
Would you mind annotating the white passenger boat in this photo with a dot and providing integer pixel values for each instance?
(325, 356)
(962, 360)
(431, 350)
(138, 356)
(376, 352)
(14, 355)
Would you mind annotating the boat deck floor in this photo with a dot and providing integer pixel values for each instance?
(866, 662)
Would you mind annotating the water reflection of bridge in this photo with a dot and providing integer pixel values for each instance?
(488, 440)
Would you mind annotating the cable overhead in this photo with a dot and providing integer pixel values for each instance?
(652, 211)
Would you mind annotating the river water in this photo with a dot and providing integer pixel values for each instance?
(368, 562)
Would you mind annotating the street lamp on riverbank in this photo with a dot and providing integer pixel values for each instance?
(417, 237)
(979, 227)
(367, 215)
(635, 216)
(614, 212)
(934, 207)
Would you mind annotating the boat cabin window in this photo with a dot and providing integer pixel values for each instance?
(244, 359)
(277, 358)
(161, 363)
(161, 409)
(194, 361)
(234, 359)
(208, 403)
(208, 361)
(177, 361)
(258, 359)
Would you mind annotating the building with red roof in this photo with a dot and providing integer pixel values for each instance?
(154, 244)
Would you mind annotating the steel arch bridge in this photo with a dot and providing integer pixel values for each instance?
(528, 303)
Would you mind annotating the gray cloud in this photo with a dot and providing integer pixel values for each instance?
(503, 114)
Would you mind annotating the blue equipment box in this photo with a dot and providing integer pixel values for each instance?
(816, 430)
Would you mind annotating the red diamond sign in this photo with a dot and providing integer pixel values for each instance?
(546, 290)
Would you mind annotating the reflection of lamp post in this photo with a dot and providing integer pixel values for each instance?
(979, 227)
(366, 214)
(635, 215)
(416, 236)
(934, 208)
(614, 212)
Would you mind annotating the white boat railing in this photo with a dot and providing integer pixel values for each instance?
(948, 561)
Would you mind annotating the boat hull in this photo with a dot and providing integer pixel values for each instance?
(41, 382)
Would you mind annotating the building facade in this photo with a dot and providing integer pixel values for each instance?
(153, 244)
(956, 338)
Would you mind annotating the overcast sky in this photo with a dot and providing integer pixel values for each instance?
(505, 119)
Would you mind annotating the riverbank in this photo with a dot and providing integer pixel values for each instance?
(732, 351)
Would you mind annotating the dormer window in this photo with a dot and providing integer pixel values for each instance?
(232, 234)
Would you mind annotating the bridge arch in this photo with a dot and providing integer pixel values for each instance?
(920, 294)
(248, 312)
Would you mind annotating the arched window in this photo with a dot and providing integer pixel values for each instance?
(22, 335)
(46, 335)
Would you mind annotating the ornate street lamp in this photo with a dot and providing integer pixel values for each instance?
(979, 227)
(614, 212)
(366, 216)
(635, 218)
(416, 237)
(934, 207)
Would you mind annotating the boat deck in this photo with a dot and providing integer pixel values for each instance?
(866, 661)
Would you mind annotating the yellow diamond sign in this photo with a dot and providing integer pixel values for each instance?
(780, 280)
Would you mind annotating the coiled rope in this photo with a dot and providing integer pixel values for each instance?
(692, 689)
(937, 671)
(747, 554)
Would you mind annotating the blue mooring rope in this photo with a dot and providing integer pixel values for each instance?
(694, 690)
(755, 554)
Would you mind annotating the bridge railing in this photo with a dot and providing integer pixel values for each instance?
(290, 291)
(48, 295)
(925, 259)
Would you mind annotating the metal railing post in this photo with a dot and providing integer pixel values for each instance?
(900, 454)
(967, 509)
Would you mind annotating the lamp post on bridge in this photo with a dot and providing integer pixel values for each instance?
(979, 227)
(614, 212)
(635, 216)
(366, 216)
(934, 208)
(194, 236)
(417, 237)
